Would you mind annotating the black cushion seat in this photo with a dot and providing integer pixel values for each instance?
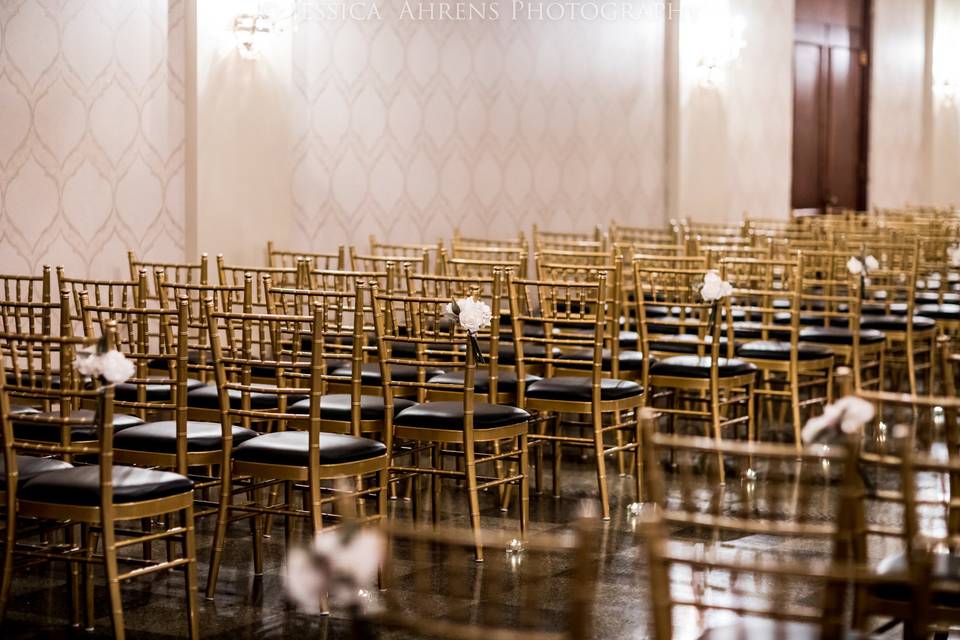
(207, 397)
(628, 360)
(507, 351)
(768, 628)
(127, 391)
(337, 406)
(896, 323)
(20, 408)
(945, 566)
(506, 380)
(29, 467)
(449, 415)
(370, 373)
(683, 343)
(810, 319)
(50, 432)
(291, 448)
(578, 389)
(839, 335)
(80, 486)
(697, 367)
(878, 308)
(945, 311)
(751, 330)
(929, 297)
(37, 379)
(161, 437)
(777, 350)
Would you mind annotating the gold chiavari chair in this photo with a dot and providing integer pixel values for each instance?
(459, 241)
(346, 280)
(706, 384)
(550, 320)
(299, 459)
(429, 253)
(760, 559)
(390, 265)
(39, 304)
(190, 272)
(787, 366)
(289, 258)
(133, 292)
(830, 301)
(484, 266)
(595, 240)
(405, 319)
(447, 596)
(234, 275)
(642, 235)
(381, 261)
(97, 497)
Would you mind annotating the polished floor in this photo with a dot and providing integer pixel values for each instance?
(246, 607)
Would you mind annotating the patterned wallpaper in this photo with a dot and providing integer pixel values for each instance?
(409, 128)
(91, 140)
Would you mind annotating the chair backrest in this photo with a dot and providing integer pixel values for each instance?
(289, 258)
(346, 280)
(483, 266)
(36, 303)
(595, 240)
(554, 322)
(774, 536)
(190, 272)
(428, 253)
(234, 275)
(448, 595)
(133, 292)
(764, 288)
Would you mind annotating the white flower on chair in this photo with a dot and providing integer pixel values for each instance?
(714, 287)
(472, 315)
(953, 254)
(855, 267)
(848, 415)
(112, 366)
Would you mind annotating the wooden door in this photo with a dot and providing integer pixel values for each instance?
(830, 64)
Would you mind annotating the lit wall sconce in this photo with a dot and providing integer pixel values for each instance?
(714, 40)
(250, 31)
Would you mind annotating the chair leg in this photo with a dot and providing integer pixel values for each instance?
(524, 469)
(601, 462)
(557, 456)
(795, 409)
(10, 536)
(90, 544)
(621, 462)
(470, 466)
(190, 577)
(146, 525)
(113, 579)
(715, 416)
(73, 571)
(256, 535)
(638, 455)
(435, 482)
(220, 534)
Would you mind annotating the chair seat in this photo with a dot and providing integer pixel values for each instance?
(629, 339)
(370, 373)
(161, 437)
(337, 406)
(697, 367)
(29, 467)
(750, 330)
(291, 448)
(683, 343)
(37, 379)
(80, 486)
(506, 380)
(896, 323)
(945, 311)
(945, 566)
(628, 360)
(207, 397)
(507, 352)
(839, 335)
(765, 628)
(579, 389)
(929, 297)
(810, 319)
(19, 408)
(127, 391)
(449, 415)
(39, 431)
(880, 309)
(777, 350)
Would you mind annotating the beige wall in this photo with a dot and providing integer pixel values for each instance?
(736, 127)
(91, 134)
(944, 185)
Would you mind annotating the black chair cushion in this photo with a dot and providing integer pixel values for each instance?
(370, 373)
(19, 408)
(579, 389)
(506, 380)
(336, 406)
(629, 339)
(929, 297)
(24, 430)
(507, 352)
(945, 311)
(683, 343)
(29, 467)
(945, 566)
(896, 323)
(766, 628)
(811, 319)
(292, 448)
(127, 391)
(839, 335)
(696, 367)
(36, 380)
(629, 360)
(749, 330)
(206, 397)
(879, 308)
(776, 350)
(161, 437)
(80, 486)
(449, 415)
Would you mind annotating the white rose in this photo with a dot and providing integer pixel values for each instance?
(305, 582)
(872, 264)
(474, 314)
(115, 368)
(848, 414)
(953, 253)
(87, 363)
(714, 287)
(854, 266)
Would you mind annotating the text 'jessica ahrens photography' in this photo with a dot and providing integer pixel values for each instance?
(518, 10)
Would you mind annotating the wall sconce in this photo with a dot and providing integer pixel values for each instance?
(250, 32)
(714, 40)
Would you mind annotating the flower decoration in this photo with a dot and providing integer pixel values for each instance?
(871, 264)
(859, 267)
(953, 255)
(343, 564)
(473, 315)
(714, 287)
(847, 415)
(112, 366)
